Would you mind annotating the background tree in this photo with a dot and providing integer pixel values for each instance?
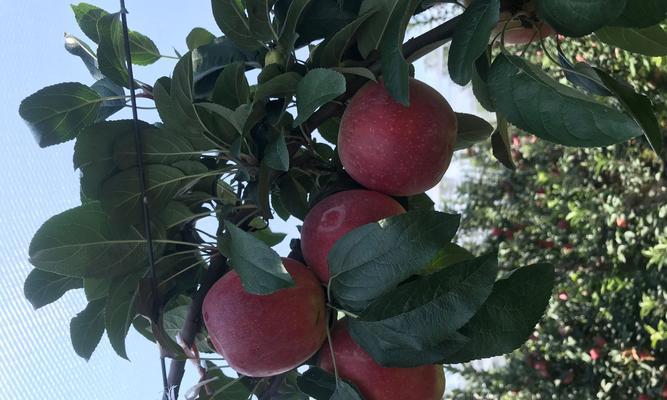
(601, 216)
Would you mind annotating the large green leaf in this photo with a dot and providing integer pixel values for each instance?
(372, 31)
(276, 155)
(317, 88)
(87, 328)
(424, 312)
(321, 385)
(121, 195)
(639, 106)
(208, 60)
(259, 19)
(322, 19)
(650, 41)
(471, 129)
(231, 18)
(42, 288)
(115, 97)
(56, 114)
(509, 316)
(82, 242)
(538, 104)
(120, 311)
(87, 16)
(160, 146)
(579, 18)
(143, 50)
(231, 88)
(111, 52)
(329, 53)
(395, 69)
(373, 259)
(287, 36)
(471, 38)
(198, 37)
(260, 268)
(642, 14)
(283, 85)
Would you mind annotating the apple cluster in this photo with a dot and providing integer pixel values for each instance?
(392, 150)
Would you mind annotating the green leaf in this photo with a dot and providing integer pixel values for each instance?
(87, 328)
(174, 319)
(288, 35)
(329, 130)
(321, 385)
(395, 69)
(322, 19)
(198, 37)
(79, 48)
(449, 254)
(143, 50)
(480, 86)
(221, 386)
(234, 118)
(121, 196)
(471, 38)
(231, 88)
(259, 21)
(120, 310)
(81, 242)
(260, 268)
(372, 31)
(329, 53)
(106, 88)
(96, 289)
(293, 196)
(373, 259)
(317, 88)
(424, 312)
(359, 71)
(536, 103)
(649, 41)
(582, 75)
(579, 18)
(639, 106)
(232, 21)
(56, 114)
(471, 130)
(174, 214)
(276, 155)
(111, 52)
(269, 237)
(93, 152)
(510, 314)
(208, 60)
(42, 288)
(87, 16)
(160, 146)
(283, 85)
(500, 143)
(641, 14)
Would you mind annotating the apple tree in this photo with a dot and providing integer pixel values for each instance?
(308, 109)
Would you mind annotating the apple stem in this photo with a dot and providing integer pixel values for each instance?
(333, 356)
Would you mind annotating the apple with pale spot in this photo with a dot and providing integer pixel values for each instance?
(335, 216)
(522, 30)
(269, 334)
(394, 149)
(374, 381)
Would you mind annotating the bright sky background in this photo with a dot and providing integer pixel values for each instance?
(36, 357)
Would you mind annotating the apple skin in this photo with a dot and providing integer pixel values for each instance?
(375, 381)
(335, 216)
(397, 150)
(515, 32)
(266, 335)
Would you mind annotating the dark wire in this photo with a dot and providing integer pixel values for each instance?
(142, 187)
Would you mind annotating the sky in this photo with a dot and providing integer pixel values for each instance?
(36, 357)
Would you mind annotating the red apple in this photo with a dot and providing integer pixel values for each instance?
(394, 149)
(375, 381)
(594, 353)
(621, 222)
(335, 216)
(270, 334)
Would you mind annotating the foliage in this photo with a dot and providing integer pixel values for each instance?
(600, 216)
(234, 151)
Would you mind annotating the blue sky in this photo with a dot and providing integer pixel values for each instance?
(36, 358)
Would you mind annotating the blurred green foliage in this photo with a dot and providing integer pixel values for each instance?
(600, 215)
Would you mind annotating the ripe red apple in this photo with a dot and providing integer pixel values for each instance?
(394, 149)
(375, 381)
(515, 31)
(335, 216)
(621, 222)
(270, 334)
